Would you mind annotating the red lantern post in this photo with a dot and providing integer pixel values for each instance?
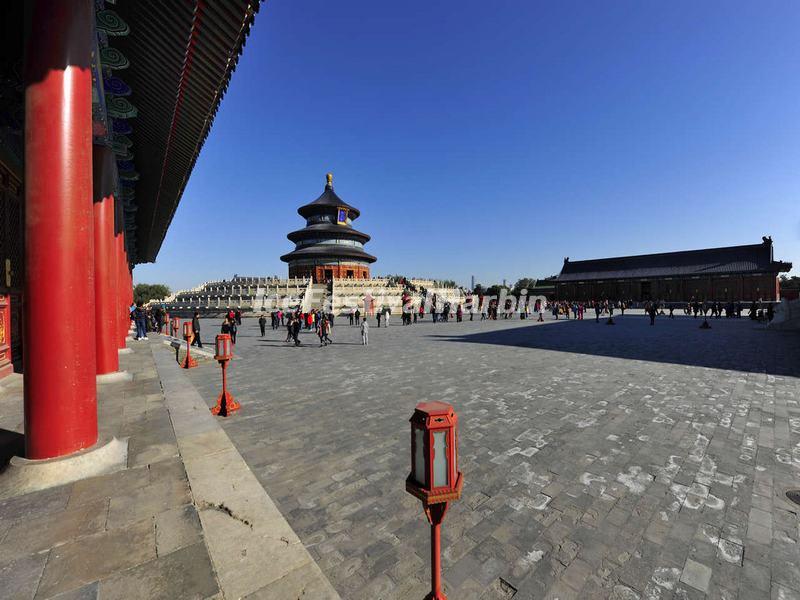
(188, 362)
(435, 478)
(225, 402)
(175, 327)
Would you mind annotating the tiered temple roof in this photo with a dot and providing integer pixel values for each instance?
(329, 236)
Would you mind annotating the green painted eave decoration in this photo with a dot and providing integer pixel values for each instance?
(113, 58)
(120, 108)
(129, 175)
(122, 140)
(120, 150)
(111, 23)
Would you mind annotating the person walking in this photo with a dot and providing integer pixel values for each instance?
(262, 323)
(140, 320)
(365, 333)
(234, 330)
(321, 333)
(358, 316)
(324, 330)
(289, 330)
(294, 327)
(378, 317)
(158, 317)
(196, 330)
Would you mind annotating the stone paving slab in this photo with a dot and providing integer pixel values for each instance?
(130, 534)
(254, 550)
(622, 461)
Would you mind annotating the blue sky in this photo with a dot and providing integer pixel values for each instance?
(495, 138)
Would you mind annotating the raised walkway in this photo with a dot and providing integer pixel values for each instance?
(185, 519)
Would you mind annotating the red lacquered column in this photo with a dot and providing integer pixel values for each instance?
(105, 264)
(122, 293)
(60, 397)
(128, 291)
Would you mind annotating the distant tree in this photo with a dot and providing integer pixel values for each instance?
(790, 283)
(479, 290)
(495, 290)
(145, 292)
(526, 283)
(447, 283)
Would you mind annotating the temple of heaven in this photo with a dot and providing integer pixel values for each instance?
(328, 247)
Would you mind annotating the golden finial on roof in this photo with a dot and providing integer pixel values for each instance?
(329, 177)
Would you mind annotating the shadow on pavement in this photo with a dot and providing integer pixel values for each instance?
(735, 344)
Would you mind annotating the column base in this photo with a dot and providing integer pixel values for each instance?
(23, 476)
(6, 370)
(12, 379)
(125, 350)
(114, 377)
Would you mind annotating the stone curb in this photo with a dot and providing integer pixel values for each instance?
(171, 341)
(253, 548)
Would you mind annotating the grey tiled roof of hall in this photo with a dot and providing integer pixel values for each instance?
(752, 258)
(328, 199)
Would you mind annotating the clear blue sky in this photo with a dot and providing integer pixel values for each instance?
(496, 138)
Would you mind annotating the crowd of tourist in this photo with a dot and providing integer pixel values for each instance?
(154, 319)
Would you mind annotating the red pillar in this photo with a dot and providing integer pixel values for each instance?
(105, 266)
(129, 290)
(123, 291)
(119, 332)
(60, 396)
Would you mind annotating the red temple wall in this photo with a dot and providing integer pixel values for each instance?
(735, 287)
(322, 273)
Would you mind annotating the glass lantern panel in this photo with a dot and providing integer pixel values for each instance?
(419, 456)
(439, 458)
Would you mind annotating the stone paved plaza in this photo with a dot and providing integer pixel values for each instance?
(624, 462)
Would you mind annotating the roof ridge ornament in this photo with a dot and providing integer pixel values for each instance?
(329, 180)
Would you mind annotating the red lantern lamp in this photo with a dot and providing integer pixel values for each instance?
(176, 324)
(434, 473)
(224, 348)
(435, 478)
(188, 334)
(226, 404)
